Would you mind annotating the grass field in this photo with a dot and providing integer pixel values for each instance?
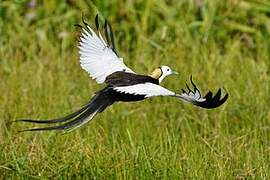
(221, 43)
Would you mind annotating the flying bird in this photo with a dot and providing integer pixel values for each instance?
(98, 57)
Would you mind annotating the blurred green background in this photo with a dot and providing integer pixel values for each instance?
(221, 43)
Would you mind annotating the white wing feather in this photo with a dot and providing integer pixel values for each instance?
(150, 90)
(146, 89)
(97, 58)
(192, 96)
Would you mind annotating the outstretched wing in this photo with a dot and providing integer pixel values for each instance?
(98, 57)
(193, 96)
(145, 89)
(208, 101)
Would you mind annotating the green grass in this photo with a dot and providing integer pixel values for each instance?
(222, 44)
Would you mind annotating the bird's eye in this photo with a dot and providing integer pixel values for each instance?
(167, 69)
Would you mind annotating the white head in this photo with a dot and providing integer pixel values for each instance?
(161, 72)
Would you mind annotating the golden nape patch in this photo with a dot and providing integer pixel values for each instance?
(156, 73)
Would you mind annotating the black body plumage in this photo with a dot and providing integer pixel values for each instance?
(121, 78)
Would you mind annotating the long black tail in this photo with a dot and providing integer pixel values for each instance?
(97, 104)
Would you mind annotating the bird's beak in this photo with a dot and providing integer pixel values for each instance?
(174, 72)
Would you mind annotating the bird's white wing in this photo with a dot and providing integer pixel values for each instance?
(192, 96)
(97, 58)
(145, 89)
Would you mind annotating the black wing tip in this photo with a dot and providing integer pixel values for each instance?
(84, 22)
(210, 100)
(105, 23)
(112, 37)
(194, 87)
(78, 25)
(193, 84)
(217, 96)
(208, 95)
(213, 102)
(183, 91)
(106, 32)
(87, 26)
(224, 99)
(96, 21)
(107, 28)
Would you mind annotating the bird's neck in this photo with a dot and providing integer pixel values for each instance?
(160, 79)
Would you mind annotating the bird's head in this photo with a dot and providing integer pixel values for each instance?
(161, 72)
